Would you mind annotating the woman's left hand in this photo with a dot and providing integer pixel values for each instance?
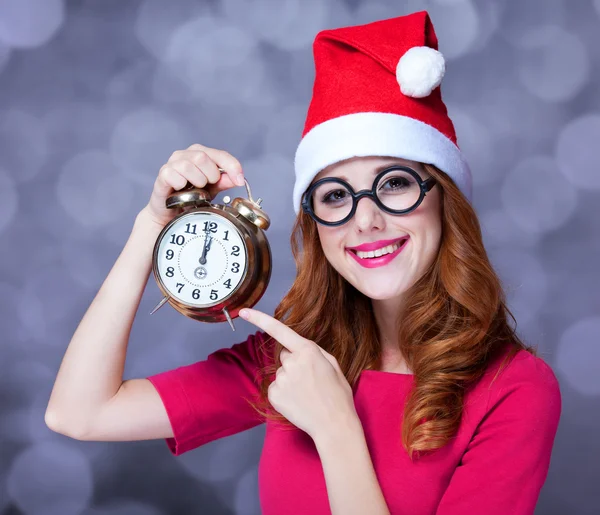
(309, 389)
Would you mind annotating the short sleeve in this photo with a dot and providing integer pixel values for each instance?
(507, 460)
(206, 400)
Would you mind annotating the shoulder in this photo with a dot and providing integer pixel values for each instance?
(524, 383)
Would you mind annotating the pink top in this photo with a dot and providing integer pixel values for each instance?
(496, 464)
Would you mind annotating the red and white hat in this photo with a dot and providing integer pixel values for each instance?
(377, 93)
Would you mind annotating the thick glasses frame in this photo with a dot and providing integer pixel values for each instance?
(424, 185)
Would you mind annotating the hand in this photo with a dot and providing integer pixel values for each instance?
(309, 389)
(200, 166)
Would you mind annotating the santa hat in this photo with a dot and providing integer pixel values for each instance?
(377, 93)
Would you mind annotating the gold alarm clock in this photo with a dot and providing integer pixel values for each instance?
(212, 260)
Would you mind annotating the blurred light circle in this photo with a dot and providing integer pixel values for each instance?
(85, 261)
(285, 130)
(537, 197)
(524, 280)
(476, 143)
(130, 86)
(52, 296)
(169, 86)
(232, 456)
(521, 18)
(30, 23)
(368, 12)
(50, 478)
(219, 62)
(576, 151)
(30, 377)
(578, 355)
(574, 278)
(489, 15)
(13, 426)
(77, 124)
(501, 230)
(143, 140)
(9, 200)
(90, 190)
(456, 26)
(553, 64)
(239, 449)
(156, 21)
(20, 130)
(246, 496)
(287, 24)
(272, 180)
(513, 114)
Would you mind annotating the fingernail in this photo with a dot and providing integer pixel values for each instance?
(244, 314)
(240, 180)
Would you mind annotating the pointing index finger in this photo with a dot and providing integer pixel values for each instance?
(289, 338)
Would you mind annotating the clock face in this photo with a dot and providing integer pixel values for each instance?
(202, 259)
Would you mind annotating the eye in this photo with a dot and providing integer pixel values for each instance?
(334, 196)
(395, 183)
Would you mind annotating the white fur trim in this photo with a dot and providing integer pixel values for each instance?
(376, 134)
(420, 70)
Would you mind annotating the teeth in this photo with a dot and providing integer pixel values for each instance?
(379, 252)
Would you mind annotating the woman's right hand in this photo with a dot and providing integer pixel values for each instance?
(198, 165)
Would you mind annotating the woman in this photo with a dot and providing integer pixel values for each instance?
(389, 377)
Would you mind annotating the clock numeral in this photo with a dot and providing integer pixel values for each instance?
(180, 240)
(227, 283)
(214, 294)
(226, 236)
(180, 285)
(235, 268)
(170, 271)
(196, 294)
(210, 226)
(170, 254)
(187, 228)
(235, 251)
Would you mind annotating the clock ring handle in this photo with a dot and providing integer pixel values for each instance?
(176, 200)
(248, 190)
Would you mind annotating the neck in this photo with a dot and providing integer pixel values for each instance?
(387, 314)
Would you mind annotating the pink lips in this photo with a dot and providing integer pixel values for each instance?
(366, 247)
(377, 261)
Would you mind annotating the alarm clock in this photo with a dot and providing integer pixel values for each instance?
(212, 260)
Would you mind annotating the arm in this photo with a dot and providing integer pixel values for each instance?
(89, 399)
(91, 372)
(352, 486)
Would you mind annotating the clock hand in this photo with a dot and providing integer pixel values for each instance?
(207, 243)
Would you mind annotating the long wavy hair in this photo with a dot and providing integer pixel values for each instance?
(454, 322)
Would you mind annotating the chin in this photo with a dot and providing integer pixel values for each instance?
(377, 291)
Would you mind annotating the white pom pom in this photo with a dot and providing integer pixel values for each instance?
(420, 70)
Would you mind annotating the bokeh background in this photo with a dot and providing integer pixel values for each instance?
(95, 96)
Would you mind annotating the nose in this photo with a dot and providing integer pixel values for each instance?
(368, 216)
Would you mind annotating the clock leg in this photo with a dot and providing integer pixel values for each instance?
(228, 318)
(159, 305)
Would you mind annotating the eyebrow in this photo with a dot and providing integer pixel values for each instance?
(378, 169)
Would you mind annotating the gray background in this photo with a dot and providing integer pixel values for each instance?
(94, 97)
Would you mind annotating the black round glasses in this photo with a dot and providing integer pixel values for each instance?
(397, 190)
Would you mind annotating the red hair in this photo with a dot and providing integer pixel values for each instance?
(455, 321)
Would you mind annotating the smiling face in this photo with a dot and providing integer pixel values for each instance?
(385, 277)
